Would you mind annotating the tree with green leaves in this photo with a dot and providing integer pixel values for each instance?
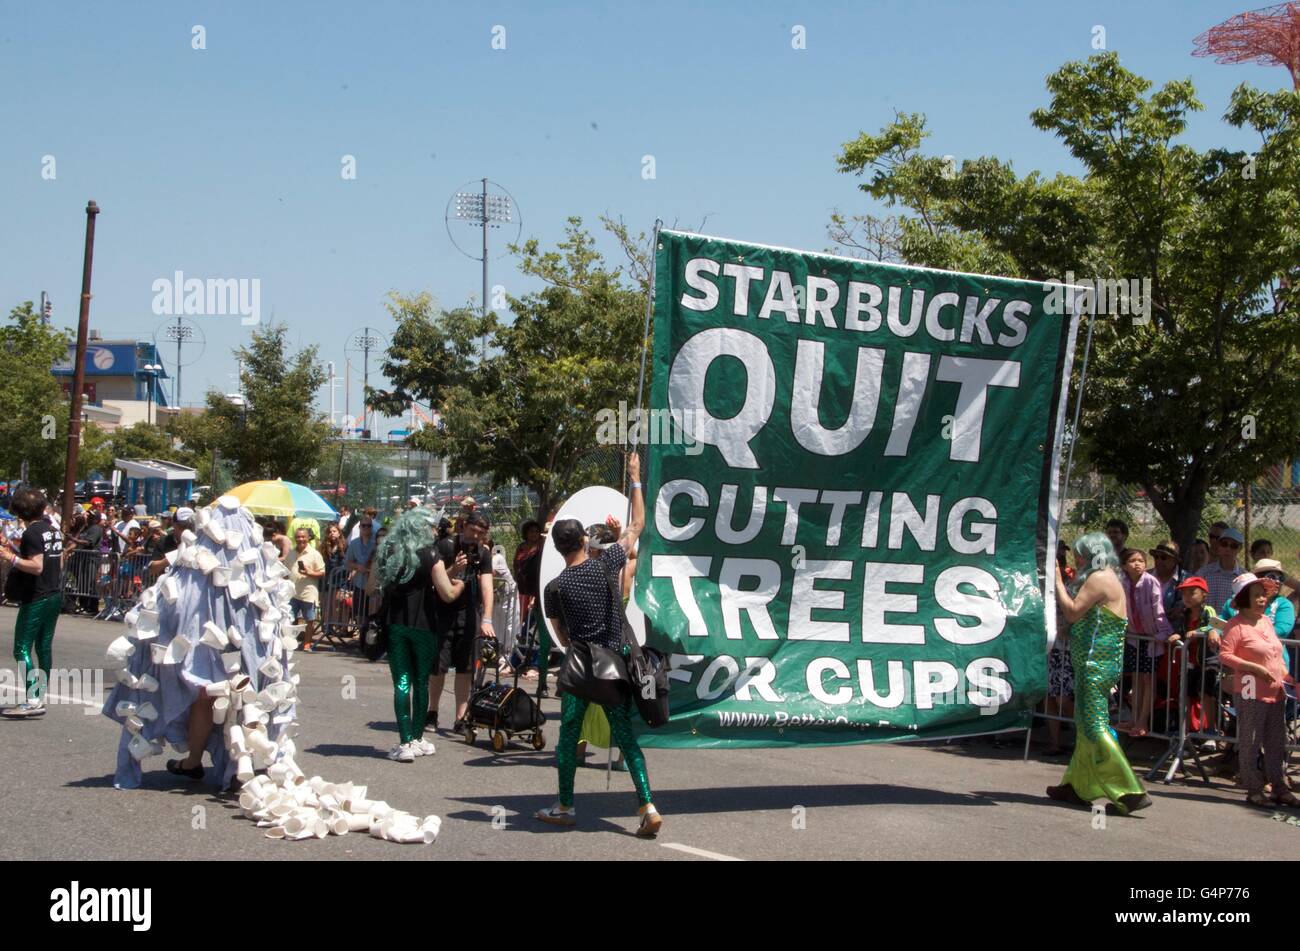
(34, 424)
(1206, 391)
(528, 413)
(142, 440)
(277, 433)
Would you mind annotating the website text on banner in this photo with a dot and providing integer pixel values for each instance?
(851, 493)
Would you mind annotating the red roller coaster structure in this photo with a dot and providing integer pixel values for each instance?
(1269, 36)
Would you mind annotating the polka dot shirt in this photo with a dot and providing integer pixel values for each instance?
(581, 596)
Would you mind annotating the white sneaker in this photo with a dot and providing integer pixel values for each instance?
(32, 708)
(423, 747)
(403, 753)
(558, 815)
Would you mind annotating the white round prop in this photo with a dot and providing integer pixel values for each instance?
(590, 505)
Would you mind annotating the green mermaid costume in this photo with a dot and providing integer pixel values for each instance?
(1098, 769)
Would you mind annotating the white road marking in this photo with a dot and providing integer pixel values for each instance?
(21, 693)
(716, 856)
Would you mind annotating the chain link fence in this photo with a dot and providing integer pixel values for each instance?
(1267, 509)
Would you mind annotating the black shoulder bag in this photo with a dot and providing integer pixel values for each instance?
(647, 668)
(591, 672)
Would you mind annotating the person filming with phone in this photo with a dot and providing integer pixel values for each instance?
(306, 568)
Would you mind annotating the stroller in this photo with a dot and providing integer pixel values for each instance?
(503, 710)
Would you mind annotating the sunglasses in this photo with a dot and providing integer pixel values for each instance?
(1230, 544)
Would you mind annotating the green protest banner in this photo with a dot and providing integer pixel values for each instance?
(850, 495)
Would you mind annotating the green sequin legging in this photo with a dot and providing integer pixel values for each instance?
(34, 628)
(411, 652)
(572, 711)
(1098, 767)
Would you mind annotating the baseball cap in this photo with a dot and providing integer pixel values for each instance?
(1232, 534)
(154, 523)
(1195, 581)
(567, 534)
(185, 514)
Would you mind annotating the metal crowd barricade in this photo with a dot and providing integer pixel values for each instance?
(87, 577)
(130, 576)
(343, 612)
(1188, 702)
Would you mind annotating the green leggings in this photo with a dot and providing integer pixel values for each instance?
(572, 711)
(411, 651)
(34, 627)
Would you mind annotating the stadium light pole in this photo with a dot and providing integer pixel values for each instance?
(486, 210)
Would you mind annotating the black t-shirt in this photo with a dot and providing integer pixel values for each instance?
(463, 613)
(41, 538)
(91, 538)
(410, 602)
(581, 595)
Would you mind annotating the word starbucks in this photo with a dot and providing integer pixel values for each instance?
(211, 297)
(75, 904)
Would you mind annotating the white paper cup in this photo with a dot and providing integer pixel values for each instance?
(220, 576)
(169, 588)
(202, 517)
(125, 708)
(140, 748)
(128, 679)
(234, 637)
(237, 589)
(248, 556)
(146, 624)
(251, 713)
(220, 709)
(118, 651)
(215, 532)
(133, 724)
(158, 653)
(236, 739)
(147, 683)
(358, 821)
(244, 769)
(232, 662)
(229, 502)
(213, 636)
(147, 711)
(271, 668)
(178, 649)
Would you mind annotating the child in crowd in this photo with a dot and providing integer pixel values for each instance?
(1148, 629)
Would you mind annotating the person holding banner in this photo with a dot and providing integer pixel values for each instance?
(1099, 617)
(578, 602)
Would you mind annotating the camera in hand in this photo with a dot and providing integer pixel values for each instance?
(472, 559)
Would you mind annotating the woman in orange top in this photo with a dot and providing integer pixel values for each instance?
(1250, 647)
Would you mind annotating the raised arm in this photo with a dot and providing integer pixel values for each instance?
(637, 522)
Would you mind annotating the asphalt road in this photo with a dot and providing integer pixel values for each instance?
(966, 801)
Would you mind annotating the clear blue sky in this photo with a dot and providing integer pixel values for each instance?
(225, 162)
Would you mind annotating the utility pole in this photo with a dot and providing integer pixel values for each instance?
(79, 368)
(330, 370)
(483, 337)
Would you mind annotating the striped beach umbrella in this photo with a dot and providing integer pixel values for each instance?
(283, 500)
